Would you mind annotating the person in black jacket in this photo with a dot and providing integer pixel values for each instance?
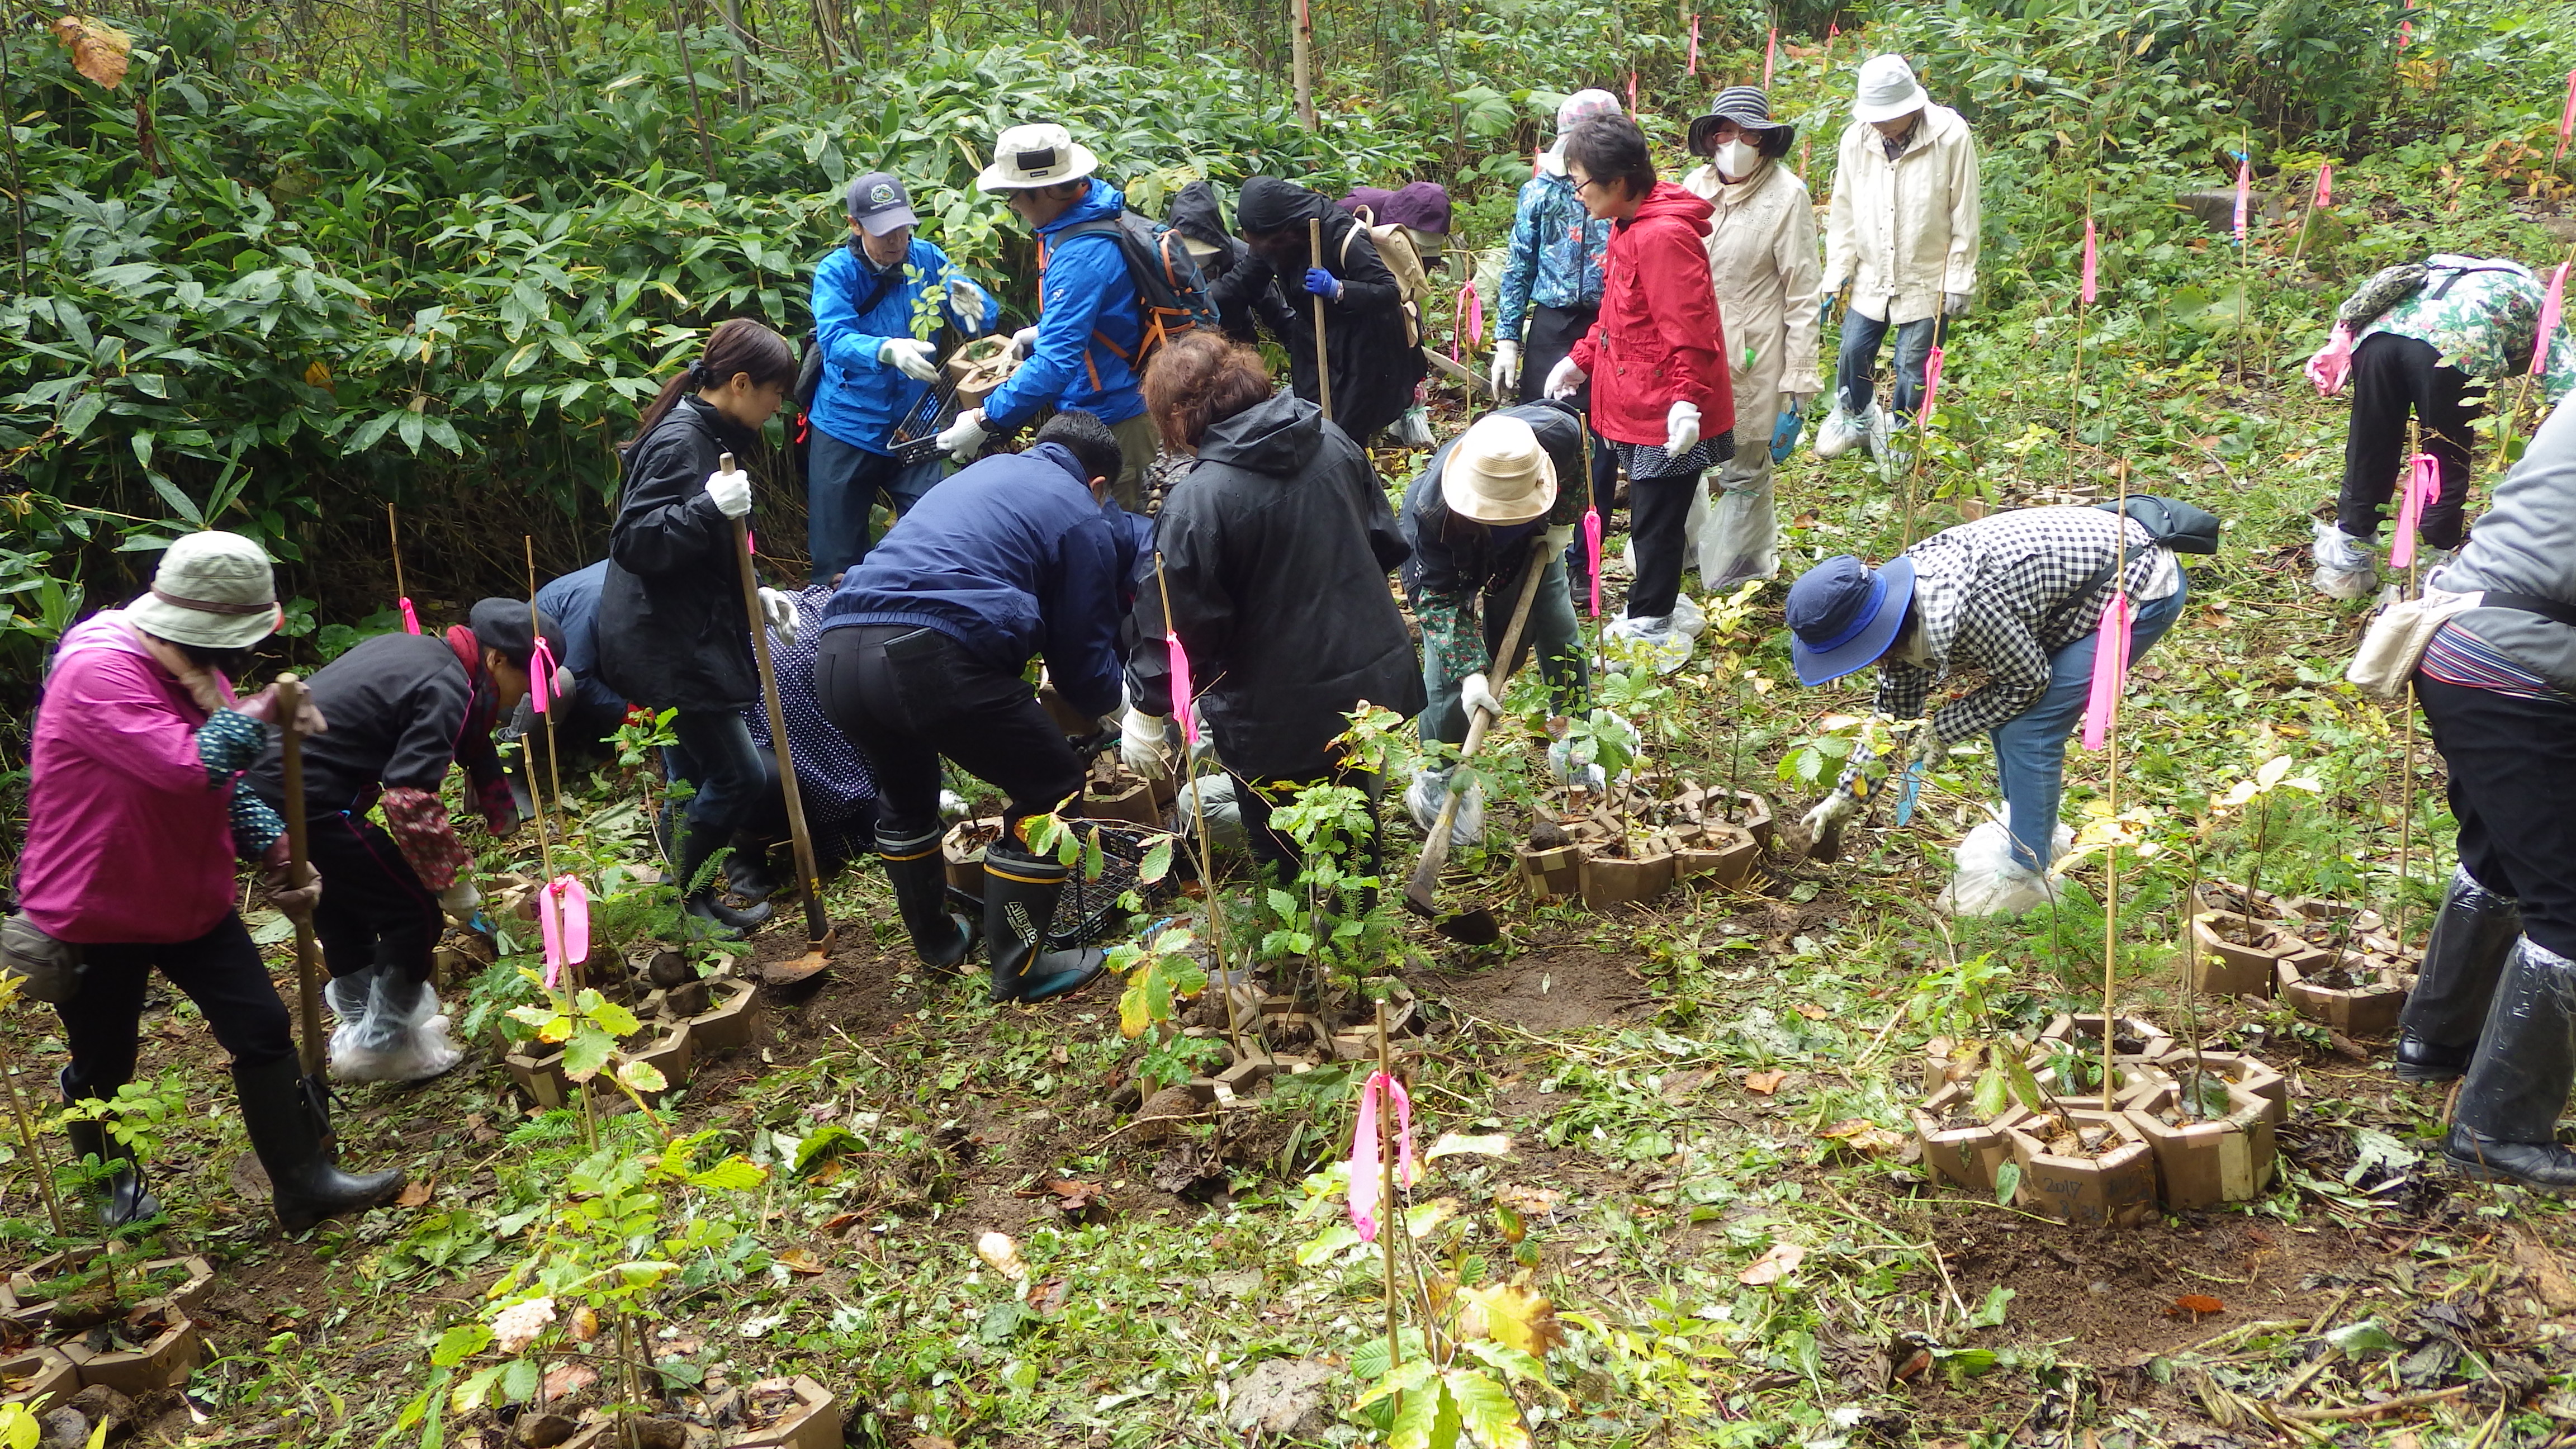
(1374, 364)
(673, 633)
(1472, 517)
(1275, 549)
(922, 655)
(403, 708)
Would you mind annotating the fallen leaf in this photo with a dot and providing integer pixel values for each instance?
(1497, 1144)
(1763, 1084)
(1528, 1201)
(2548, 1277)
(1066, 1187)
(837, 1224)
(1510, 1315)
(1771, 1267)
(565, 1378)
(1862, 1135)
(800, 1262)
(2199, 1303)
(1812, 1012)
(416, 1194)
(929, 1441)
(585, 1324)
(1049, 1296)
(99, 50)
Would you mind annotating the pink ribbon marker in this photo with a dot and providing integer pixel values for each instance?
(1694, 45)
(2110, 669)
(1592, 547)
(1770, 53)
(1632, 93)
(2244, 194)
(2332, 365)
(541, 674)
(2325, 186)
(411, 620)
(1364, 1158)
(1931, 384)
(2566, 118)
(566, 921)
(2422, 487)
(1470, 333)
(2092, 259)
(1184, 698)
(2553, 304)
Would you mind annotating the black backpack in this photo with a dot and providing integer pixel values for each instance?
(1171, 294)
(2182, 527)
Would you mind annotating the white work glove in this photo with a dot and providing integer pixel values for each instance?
(459, 901)
(1954, 304)
(1831, 815)
(1681, 427)
(1506, 374)
(966, 300)
(731, 491)
(964, 437)
(1023, 342)
(1477, 692)
(779, 609)
(1559, 539)
(1564, 378)
(910, 357)
(1141, 738)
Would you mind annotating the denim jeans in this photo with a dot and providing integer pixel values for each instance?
(841, 491)
(1551, 631)
(715, 754)
(2030, 748)
(1861, 337)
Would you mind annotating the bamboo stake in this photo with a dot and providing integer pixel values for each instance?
(547, 907)
(393, 541)
(2075, 381)
(1393, 1222)
(2406, 704)
(554, 771)
(2111, 795)
(27, 1137)
(1323, 364)
(1206, 847)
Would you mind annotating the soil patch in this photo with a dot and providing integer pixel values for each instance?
(1563, 988)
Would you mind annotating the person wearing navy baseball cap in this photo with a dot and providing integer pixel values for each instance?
(2018, 596)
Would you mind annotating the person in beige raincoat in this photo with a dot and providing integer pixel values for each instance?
(1902, 235)
(1762, 260)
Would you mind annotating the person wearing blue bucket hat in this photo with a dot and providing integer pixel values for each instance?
(2018, 596)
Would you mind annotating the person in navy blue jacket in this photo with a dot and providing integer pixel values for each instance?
(1082, 352)
(922, 653)
(868, 311)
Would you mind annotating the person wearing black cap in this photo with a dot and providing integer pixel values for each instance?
(1762, 261)
(1373, 363)
(870, 299)
(2018, 596)
(403, 708)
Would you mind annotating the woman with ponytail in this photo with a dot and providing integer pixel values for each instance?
(672, 630)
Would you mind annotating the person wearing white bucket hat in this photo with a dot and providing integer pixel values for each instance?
(133, 824)
(1470, 517)
(1901, 234)
(1086, 349)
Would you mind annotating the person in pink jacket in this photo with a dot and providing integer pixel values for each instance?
(133, 825)
(1656, 359)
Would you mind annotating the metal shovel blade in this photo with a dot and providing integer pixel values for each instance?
(816, 960)
(1475, 927)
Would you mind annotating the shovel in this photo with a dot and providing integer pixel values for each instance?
(1475, 927)
(1323, 363)
(308, 958)
(819, 936)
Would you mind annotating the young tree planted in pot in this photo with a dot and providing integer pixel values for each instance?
(2257, 790)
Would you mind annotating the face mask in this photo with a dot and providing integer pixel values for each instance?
(1735, 158)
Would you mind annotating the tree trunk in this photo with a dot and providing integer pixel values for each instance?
(1301, 52)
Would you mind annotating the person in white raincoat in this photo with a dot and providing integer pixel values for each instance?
(1902, 235)
(1762, 260)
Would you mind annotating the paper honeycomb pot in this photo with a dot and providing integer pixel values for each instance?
(2239, 1070)
(1610, 880)
(729, 1023)
(538, 1071)
(2135, 1037)
(962, 851)
(2202, 1164)
(2116, 1185)
(1966, 1156)
(167, 1360)
(814, 1422)
(1551, 874)
(2370, 1010)
(195, 1279)
(40, 1378)
(1721, 855)
(2217, 962)
(1133, 802)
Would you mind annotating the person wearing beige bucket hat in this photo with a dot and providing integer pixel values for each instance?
(133, 824)
(1470, 517)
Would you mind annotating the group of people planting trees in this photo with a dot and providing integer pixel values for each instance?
(1663, 333)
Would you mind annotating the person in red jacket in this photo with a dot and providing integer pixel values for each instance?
(1656, 359)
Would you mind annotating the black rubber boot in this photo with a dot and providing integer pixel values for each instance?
(2505, 1126)
(305, 1183)
(747, 869)
(1019, 906)
(920, 881)
(698, 845)
(2462, 961)
(128, 1199)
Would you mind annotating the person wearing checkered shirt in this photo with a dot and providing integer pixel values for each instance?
(2019, 597)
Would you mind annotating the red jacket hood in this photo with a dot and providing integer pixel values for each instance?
(1673, 203)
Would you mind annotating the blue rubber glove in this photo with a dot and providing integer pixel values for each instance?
(1323, 283)
(1784, 434)
(1825, 312)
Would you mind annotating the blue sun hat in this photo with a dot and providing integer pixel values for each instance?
(1843, 615)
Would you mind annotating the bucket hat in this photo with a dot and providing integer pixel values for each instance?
(1582, 106)
(1747, 107)
(213, 590)
(1887, 90)
(1843, 615)
(1036, 155)
(1497, 473)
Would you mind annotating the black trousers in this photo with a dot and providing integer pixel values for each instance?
(1274, 847)
(220, 971)
(374, 910)
(2394, 377)
(1658, 519)
(906, 697)
(2513, 788)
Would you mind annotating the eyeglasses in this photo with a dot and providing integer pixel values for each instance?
(1584, 185)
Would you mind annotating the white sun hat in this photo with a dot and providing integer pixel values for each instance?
(1497, 473)
(1888, 90)
(213, 590)
(1039, 155)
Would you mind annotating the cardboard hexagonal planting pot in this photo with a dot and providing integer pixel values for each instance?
(729, 1024)
(962, 851)
(2217, 962)
(2116, 1184)
(2136, 1036)
(2356, 993)
(40, 1378)
(167, 1358)
(812, 1422)
(188, 1278)
(2239, 1070)
(1610, 880)
(1720, 854)
(2201, 1164)
(538, 1070)
(1550, 873)
(1958, 1146)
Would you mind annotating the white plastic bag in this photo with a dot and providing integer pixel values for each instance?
(1990, 882)
(1422, 800)
(2345, 569)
